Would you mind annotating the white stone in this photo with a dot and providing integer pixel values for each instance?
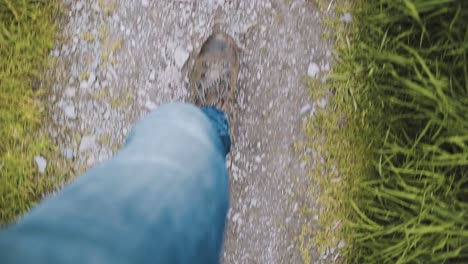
(235, 176)
(236, 217)
(70, 92)
(68, 153)
(91, 79)
(305, 108)
(87, 143)
(79, 6)
(258, 159)
(253, 203)
(150, 105)
(84, 85)
(70, 112)
(347, 18)
(41, 164)
(152, 76)
(302, 165)
(322, 103)
(313, 69)
(341, 244)
(180, 57)
(145, 3)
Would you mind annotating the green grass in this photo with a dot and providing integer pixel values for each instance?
(27, 33)
(397, 132)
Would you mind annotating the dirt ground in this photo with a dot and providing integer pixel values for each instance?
(121, 59)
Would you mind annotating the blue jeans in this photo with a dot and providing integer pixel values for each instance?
(163, 198)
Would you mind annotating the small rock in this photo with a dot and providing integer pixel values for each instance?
(150, 105)
(341, 244)
(95, 7)
(152, 76)
(302, 165)
(91, 160)
(322, 103)
(253, 203)
(258, 159)
(53, 134)
(41, 163)
(235, 176)
(180, 56)
(347, 18)
(69, 111)
(112, 72)
(55, 53)
(237, 157)
(145, 3)
(87, 143)
(313, 70)
(326, 67)
(70, 92)
(106, 115)
(67, 153)
(91, 79)
(305, 108)
(84, 85)
(236, 217)
(79, 6)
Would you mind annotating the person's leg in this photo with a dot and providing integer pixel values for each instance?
(163, 198)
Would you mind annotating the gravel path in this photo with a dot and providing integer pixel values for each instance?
(121, 59)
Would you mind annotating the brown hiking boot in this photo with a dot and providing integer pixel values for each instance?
(214, 75)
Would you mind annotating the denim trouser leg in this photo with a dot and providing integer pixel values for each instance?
(163, 198)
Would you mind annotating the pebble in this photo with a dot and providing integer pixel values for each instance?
(258, 159)
(91, 79)
(322, 103)
(41, 163)
(84, 85)
(180, 56)
(150, 105)
(67, 153)
(145, 3)
(313, 70)
(152, 76)
(79, 6)
(55, 53)
(302, 165)
(341, 244)
(70, 92)
(87, 143)
(235, 176)
(305, 108)
(70, 112)
(253, 203)
(236, 217)
(106, 115)
(347, 18)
